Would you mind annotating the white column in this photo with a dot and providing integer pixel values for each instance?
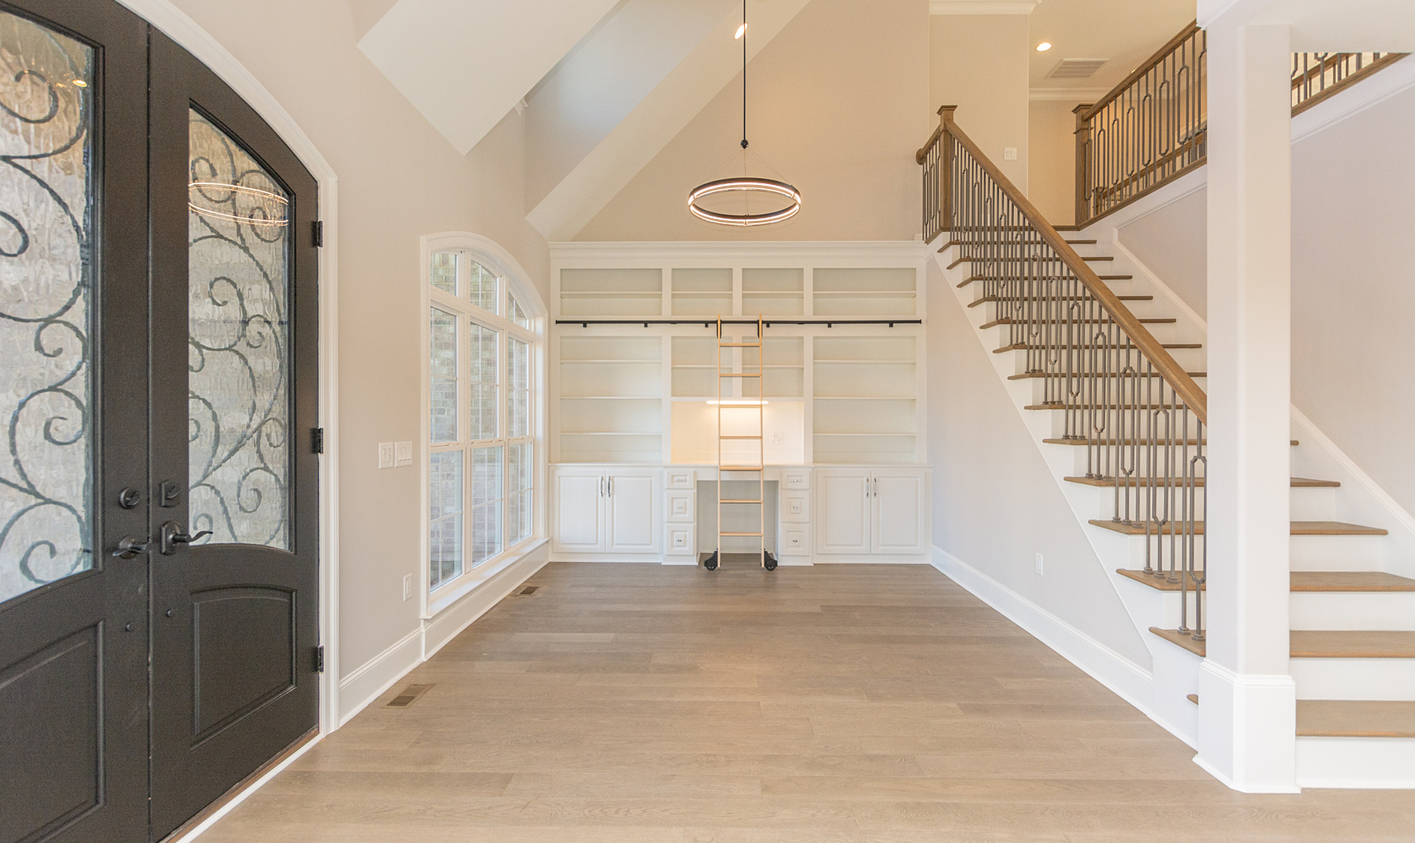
(1247, 699)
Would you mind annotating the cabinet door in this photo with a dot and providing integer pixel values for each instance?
(843, 515)
(633, 526)
(897, 498)
(579, 511)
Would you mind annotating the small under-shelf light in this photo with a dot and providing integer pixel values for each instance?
(1044, 46)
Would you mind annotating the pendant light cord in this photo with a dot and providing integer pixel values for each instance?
(744, 74)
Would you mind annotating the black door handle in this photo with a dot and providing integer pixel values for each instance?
(172, 536)
(130, 548)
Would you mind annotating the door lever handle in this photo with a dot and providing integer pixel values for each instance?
(130, 548)
(172, 536)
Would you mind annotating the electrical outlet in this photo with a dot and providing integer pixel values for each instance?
(385, 455)
(1039, 565)
(402, 454)
(1009, 153)
(407, 586)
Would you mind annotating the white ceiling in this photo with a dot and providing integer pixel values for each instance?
(1125, 31)
(465, 63)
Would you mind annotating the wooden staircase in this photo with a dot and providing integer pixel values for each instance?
(1354, 683)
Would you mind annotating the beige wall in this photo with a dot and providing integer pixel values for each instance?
(1051, 160)
(995, 502)
(1173, 242)
(398, 179)
(838, 104)
(980, 64)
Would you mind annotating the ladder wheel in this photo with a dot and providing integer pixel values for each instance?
(768, 561)
(711, 562)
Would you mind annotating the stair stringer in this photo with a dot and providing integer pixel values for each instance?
(1174, 672)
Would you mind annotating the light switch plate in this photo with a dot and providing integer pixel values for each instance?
(407, 586)
(385, 455)
(402, 454)
(1009, 153)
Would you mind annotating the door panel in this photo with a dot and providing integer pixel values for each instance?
(844, 516)
(73, 257)
(234, 401)
(899, 512)
(632, 525)
(579, 512)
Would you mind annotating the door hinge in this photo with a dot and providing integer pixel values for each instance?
(317, 230)
(317, 440)
(319, 659)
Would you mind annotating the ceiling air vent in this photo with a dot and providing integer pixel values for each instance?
(1076, 68)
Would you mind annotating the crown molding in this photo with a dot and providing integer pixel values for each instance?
(1066, 94)
(982, 7)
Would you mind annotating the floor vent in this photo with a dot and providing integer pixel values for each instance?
(408, 696)
(530, 589)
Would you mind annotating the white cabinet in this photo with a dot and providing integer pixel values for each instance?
(863, 511)
(606, 510)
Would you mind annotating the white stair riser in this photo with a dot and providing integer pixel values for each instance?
(1336, 553)
(1354, 679)
(1082, 420)
(1392, 611)
(1176, 675)
(1040, 387)
(1161, 607)
(1356, 762)
(1307, 503)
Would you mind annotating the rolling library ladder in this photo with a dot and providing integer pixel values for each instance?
(727, 375)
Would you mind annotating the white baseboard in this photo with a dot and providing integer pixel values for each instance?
(370, 680)
(451, 621)
(366, 682)
(1356, 763)
(1128, 680)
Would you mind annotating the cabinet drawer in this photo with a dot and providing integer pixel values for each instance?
(795, 506)
(682, 478)
(682, 540)
(795, 540)
(682, 506)
(795, 478)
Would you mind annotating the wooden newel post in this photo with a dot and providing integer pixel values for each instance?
(1083, 158)
(945, 167)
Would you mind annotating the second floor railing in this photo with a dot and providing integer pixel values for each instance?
(1140, 416)
(1153, 127)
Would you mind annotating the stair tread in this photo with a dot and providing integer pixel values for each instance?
(1078, 442)
(986, 299)
(1108, 482)
(1347, 644)
(1006, 320)
(1193, 698)
(1034, 375)
(1365, 581)
(1099, 407)
(972, 278)
(1322, 644)
(1356, 718)
(1029, 347)
(1299, 528)
(1302, 581)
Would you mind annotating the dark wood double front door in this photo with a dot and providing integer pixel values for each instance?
(158, 486)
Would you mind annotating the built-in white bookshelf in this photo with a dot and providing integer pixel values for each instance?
(611, 399)
(866, 397)
(839, 392)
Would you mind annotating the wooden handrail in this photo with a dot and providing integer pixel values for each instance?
(1154, 351)
(1145, 67)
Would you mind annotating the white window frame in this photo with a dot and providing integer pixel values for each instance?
(512, 281)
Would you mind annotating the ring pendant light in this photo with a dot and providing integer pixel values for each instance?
(745, 184)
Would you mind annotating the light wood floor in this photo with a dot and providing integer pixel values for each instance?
(633, 703)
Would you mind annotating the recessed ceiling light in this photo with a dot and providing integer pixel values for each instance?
(741, 30)
(1044, 46)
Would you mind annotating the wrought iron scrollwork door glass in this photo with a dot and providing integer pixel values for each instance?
(46, 305)
(239, 343)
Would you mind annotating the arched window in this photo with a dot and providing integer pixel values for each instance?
(485, 326)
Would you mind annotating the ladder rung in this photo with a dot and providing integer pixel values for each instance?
(739, 345)
(740, 468)
(739, 437)
(737, 375)
(725, 500)
(740, 534)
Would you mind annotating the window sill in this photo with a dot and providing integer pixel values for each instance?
(470, 581)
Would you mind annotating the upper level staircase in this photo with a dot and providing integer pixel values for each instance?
(1081, 356)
